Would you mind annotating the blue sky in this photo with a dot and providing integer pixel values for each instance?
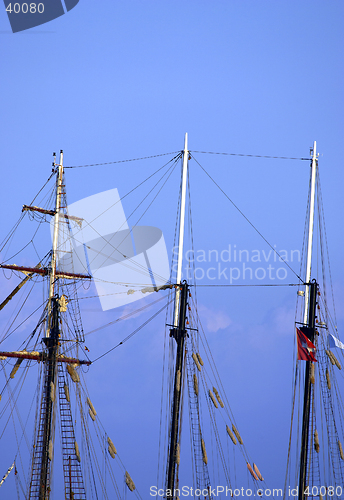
(116, 80)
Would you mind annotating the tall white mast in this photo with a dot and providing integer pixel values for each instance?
(55, 236)
(310, 231)
(181, 229)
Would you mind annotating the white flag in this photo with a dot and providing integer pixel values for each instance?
(334, 342)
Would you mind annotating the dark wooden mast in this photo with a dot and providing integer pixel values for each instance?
(49, 387)
(40, 483)
(309, 331)
(178, 334)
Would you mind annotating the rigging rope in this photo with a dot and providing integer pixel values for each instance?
(250, 156)
(122, 161)
(136, 265)
(15, 227)
(126, 316)
(10, 333)
(322, 215)
(251, 224)
(134, 332)
(258, 284)
(174, 152)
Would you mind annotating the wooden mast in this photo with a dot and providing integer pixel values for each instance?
(309, 331)
(178, 334)
(51, 341)
(40, 483)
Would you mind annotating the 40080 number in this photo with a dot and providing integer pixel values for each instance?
(330, 490)
(25, 8)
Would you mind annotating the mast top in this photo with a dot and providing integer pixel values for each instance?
(186, 143)
(310, 228)
(181, 229)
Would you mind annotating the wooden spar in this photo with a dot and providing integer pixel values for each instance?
(24, 269)
(38, 209)
(62, 274)
(41, 357)
(51, 212)
(44, 271)
(16, 289)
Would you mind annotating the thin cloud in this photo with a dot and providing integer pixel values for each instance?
(214, 320)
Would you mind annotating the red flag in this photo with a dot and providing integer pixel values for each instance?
(305, 348)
